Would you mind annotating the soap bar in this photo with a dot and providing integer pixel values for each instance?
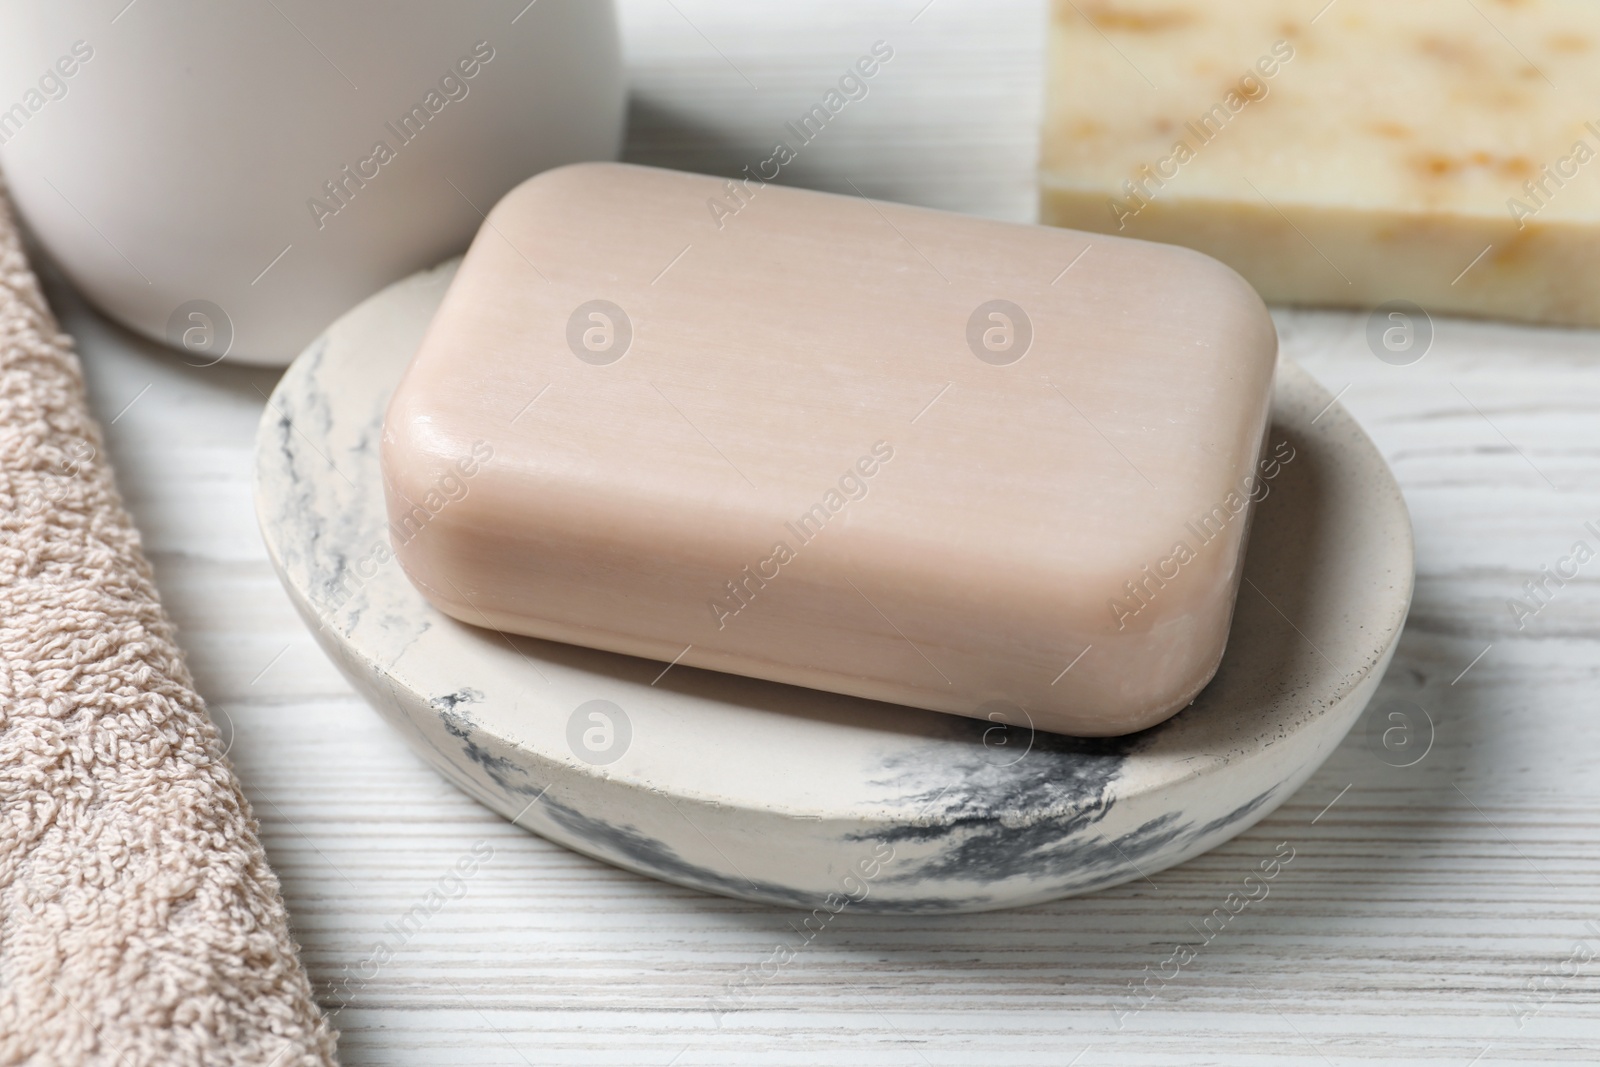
(982, 468)
(1352, 153)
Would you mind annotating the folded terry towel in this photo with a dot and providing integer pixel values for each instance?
(139, 921)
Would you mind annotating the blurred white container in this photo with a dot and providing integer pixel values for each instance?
(232, 177)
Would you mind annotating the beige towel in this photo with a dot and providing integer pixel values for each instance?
(139, 921)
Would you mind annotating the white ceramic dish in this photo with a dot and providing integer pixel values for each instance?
(787, 795)
(211, 175)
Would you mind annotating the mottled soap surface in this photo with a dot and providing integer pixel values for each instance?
(1349, 153)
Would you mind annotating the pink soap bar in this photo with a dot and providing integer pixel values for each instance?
(986, 469)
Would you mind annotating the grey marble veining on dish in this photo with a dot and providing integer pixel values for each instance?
(774, 793)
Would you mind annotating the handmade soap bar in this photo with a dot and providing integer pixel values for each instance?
(983, 468)
(1354, 153)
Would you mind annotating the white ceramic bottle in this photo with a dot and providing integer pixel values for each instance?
(231, 177)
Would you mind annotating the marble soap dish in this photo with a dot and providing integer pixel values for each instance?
(797, 797)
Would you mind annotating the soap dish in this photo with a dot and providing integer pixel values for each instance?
(802, 798)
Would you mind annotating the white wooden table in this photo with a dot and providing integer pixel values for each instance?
(1423, 911)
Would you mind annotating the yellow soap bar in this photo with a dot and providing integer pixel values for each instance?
(1357, 152)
